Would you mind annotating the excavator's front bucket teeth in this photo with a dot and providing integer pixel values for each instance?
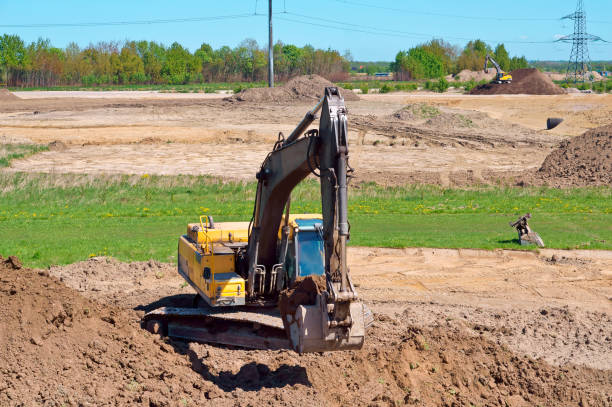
(309, 328)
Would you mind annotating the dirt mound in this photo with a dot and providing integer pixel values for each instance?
(477, 76)
(57, 347)
(5, 95)
(527, 81)
(118, 283)
(582, 160)
(300, 88)
(57, 146)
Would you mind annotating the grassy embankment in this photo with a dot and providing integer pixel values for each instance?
(9, 152)
(58, 219)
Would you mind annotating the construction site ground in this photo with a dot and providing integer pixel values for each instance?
(452, 327)
(469, 138)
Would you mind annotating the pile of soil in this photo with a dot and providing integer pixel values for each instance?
(5, 95)
(582, 160)
(57, 146)
(527, 81)
(300, 88)
(60, 348)
(468, 75)
(425, 124)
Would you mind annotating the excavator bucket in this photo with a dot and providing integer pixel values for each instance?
(306, 318)
(310, 331)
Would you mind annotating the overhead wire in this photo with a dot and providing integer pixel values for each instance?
(388, 32)
(458, 16)
(133, 22)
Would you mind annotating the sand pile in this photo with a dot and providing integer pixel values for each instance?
(59, 348)
(524, 81)
(477, 76)
(5, 95)
(300, 88)
(582, 160)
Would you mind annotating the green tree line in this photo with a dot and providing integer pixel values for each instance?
(437, 58)
(39, 64)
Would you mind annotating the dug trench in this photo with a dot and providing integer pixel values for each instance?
(71, 336)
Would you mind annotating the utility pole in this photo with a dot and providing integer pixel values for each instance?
(270, 48)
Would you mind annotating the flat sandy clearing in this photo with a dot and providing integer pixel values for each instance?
(472, 137)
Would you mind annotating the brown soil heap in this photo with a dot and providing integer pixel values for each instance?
(300, 88)
(527, 81)
(5, 95)
(582, 160)
(467, 75)
(59, 348)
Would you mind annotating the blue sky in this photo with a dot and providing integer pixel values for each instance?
(371, 29)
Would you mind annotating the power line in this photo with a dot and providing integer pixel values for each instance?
(389, 32)
(134, 22)
(458, 16)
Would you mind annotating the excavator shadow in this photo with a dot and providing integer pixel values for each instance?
(177, 300)
(508, 241)
(251, 376)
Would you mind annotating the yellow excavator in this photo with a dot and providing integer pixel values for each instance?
(501, 76)
(239, 270)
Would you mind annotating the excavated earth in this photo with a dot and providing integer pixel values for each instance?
(71, 336)
(5, 95)
(585, 160)
(528, 81)
(299, 88)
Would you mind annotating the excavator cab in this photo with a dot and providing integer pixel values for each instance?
(305, 251)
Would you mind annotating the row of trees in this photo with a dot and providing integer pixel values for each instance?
(438, 58)
(147, 62)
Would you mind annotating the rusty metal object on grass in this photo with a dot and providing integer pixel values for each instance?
(526, 236)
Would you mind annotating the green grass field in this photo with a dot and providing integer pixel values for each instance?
(60, 219)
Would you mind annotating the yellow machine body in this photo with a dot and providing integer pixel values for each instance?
(207, 259)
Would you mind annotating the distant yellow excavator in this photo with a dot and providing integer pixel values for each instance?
(501, 77)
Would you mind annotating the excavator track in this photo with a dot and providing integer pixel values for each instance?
(245, 327)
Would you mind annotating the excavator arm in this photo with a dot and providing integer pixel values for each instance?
(336, 320)
(488, 59)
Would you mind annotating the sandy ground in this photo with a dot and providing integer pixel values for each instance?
(553, 304)
(72, 337)
(148, 132)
